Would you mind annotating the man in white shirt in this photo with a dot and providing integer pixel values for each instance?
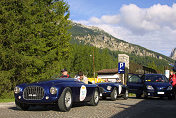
(81, 77)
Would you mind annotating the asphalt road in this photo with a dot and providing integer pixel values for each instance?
(131, 108)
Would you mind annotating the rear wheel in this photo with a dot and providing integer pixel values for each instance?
(22, 106)
(145, 95)
(171, 97)
(114, 94)
(104, 97)
(95, 98)
(65, 100)
(138, 95)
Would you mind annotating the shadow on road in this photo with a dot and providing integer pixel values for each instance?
(48, 107)
(149, 108)
(13, 108)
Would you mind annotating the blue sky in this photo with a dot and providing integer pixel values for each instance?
(84, 9)
(150, 20)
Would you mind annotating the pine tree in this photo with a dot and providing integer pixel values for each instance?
(34, 39)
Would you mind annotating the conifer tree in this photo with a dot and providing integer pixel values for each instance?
(34, 39)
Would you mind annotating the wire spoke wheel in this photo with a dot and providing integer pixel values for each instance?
(96, 97)
(115, 94)
(126, 93)
(68, 99)
(65, 100)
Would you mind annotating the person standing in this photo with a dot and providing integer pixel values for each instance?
(81, 77)
(64, 74)
(173, 78)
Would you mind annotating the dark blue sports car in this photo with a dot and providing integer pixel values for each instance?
(62, 92)
(113, 90)
(150, 85)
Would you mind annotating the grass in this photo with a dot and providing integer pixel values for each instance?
(7, 100)
(132, 95)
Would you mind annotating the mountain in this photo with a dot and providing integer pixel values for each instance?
(93, 36)
(173, 54)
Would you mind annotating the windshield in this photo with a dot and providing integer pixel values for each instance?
(156, 78)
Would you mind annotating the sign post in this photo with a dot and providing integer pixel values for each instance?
(167, 73)
(121, 70)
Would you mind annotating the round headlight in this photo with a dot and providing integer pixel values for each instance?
(109, 88)
(16, 90)
(150, 87)
(169, 88)
(53, 90)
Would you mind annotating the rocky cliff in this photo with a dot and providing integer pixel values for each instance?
(100, 39)
(173, 54)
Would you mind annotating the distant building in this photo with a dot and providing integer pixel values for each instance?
(109, 74)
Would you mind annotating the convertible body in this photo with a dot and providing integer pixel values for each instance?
(63, 92)
(113, 90)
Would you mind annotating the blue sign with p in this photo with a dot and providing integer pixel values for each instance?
(121, 68)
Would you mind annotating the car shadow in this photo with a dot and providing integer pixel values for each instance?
(148, 108)
(48, 107)
(118, 98)
(13, 108)
(37, 108)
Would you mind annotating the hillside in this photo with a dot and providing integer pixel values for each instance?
(94, 36)
(173, 54)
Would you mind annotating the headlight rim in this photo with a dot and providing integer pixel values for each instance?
(55, 90)
(109, 88)
(149, 87)
(17, 90)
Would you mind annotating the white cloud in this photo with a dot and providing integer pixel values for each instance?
(153, 28)
(95, 20)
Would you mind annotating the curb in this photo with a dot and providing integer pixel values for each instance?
(7, 104)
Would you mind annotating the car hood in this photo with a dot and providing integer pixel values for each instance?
(158, 84)
(50, 82)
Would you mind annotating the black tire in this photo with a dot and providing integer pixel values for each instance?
(125, 96)
(65, 100)
(171, 97)
(138, 95)
(114, 94)
(22, 106)
(145, 95)
(174, 96)
(104, 97)
(95, 98)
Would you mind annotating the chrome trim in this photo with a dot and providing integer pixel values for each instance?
(33, 93)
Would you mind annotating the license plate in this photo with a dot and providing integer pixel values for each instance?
(160, 92)
(100, 94)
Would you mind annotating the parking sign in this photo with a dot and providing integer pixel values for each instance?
(121, 67)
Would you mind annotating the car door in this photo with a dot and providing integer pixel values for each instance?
(83, 92)
(134, 83)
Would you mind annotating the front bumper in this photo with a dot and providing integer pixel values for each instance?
(165, 93)
(47, 99)
(106, 93)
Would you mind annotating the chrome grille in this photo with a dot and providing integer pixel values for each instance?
(161, 88)
(33, 93)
